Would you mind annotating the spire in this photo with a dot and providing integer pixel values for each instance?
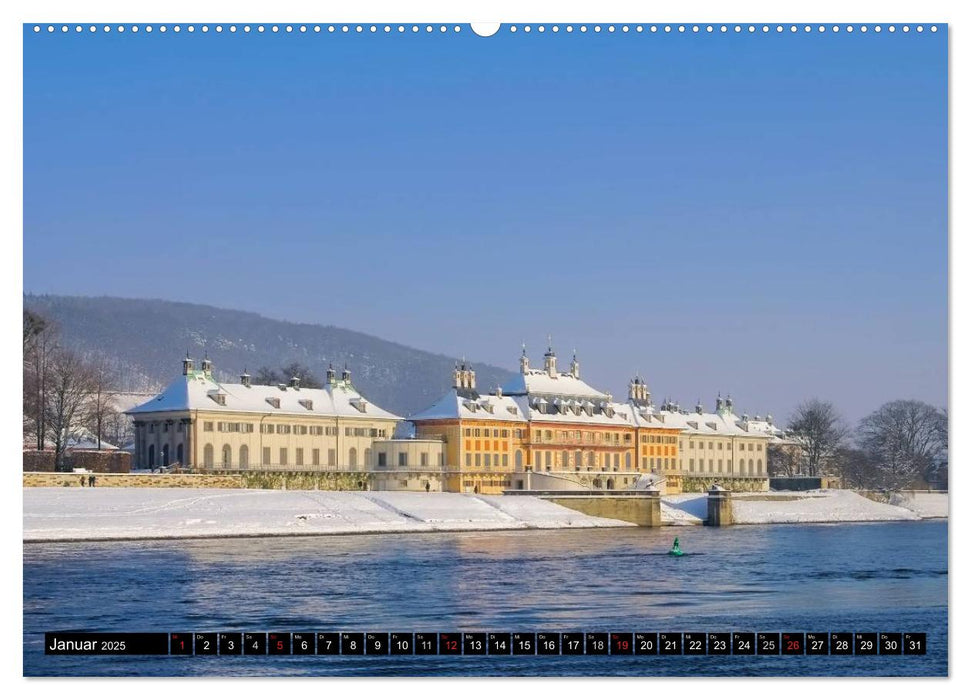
(207, 364)
(346, 375)
(523, 361)
(575, 366)
(187, 365)
(245, 379)
(331, 374)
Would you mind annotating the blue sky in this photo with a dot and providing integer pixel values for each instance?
(764, 215)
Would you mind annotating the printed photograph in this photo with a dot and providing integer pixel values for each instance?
(555, 350)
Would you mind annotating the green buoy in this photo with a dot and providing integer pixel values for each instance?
(676, 549)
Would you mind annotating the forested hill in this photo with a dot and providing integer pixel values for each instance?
(145, 340)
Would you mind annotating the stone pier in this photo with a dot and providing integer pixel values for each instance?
(638, 507)
(719, 507)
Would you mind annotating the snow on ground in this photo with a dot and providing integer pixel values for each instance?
(119, 513)
(684, 509)
(813, 507)
(926, 505)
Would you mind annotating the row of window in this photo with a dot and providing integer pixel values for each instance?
(727, 445)
(179, 427)
(488, 460)
(582, 436)
(660, 439)
(656, 463)
(660, 450)
(754, 466)
(241, 458)
(288, 429)
(542, 459)
(490, 432)
(423, 459)
(496, 445)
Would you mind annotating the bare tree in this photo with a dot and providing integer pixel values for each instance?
(856, 469)
(308, 379)
(266, 377)
(782, 459)
(101, 404)
(271, 377)
(118, 429)
(40, 346)
(907, 440)
(34, 325)
(71, 385)
(819, 429)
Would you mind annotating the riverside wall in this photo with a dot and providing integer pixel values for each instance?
(297, 481)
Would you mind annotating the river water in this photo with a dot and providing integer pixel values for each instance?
(885, 577)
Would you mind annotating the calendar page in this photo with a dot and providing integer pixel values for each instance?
(558, 349)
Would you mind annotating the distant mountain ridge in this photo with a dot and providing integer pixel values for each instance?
(145, 340)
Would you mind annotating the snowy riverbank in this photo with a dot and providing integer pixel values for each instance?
(146, 513)
(142, 513)
(825, 506)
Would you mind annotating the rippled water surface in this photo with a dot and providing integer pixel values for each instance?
(887, 577)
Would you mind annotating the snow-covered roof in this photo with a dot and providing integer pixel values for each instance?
(570, 411)
(199, 391)
(84, 439)
(123, 400)
(535, 381)
(703, 423)
(471, 406)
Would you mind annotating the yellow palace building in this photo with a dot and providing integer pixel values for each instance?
(548, 429)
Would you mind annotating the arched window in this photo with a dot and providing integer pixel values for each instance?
(180, 454)
(577, 458)
(151, 456)
(565, 456)
(164, 461)
(367, 456)
(610, 484)
(244, 457)
(627, 461)
(207, 455)
(751, 466)
(759, 465)
(352, 457)
(227, 456)
(519, 460)
(591, 459)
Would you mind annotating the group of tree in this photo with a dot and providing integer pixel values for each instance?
(294, 370)
(63, 390)
(902, 444)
